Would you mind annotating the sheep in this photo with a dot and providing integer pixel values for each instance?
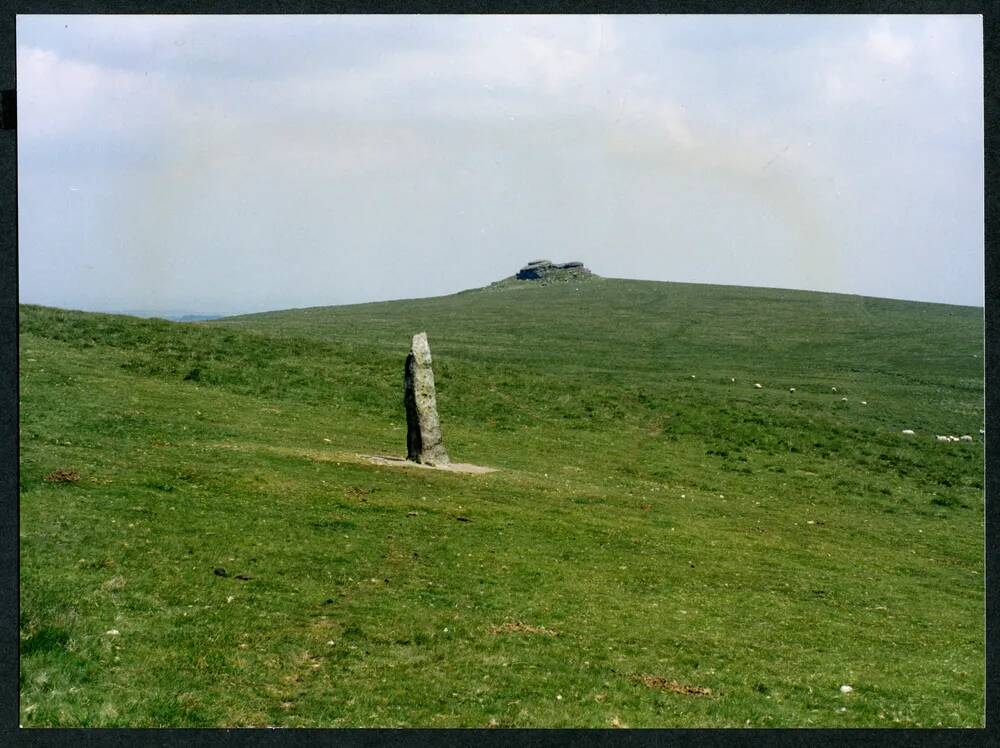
(908, 432)
(758, 386)
(966, 438)
(941, 438)
(834, 389)
(864, 402)
(953, 438)
(843, 399)
(791, 389)
(732, 379)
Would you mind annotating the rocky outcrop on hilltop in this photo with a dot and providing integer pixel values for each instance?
(547, 270)
(544, 273)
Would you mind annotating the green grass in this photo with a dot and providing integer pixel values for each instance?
(767, 545)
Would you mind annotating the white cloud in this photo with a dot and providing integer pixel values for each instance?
(59, 97)
(886, 47)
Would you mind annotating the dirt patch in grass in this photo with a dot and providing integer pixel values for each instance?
(516, 627)
(664, 684)
(62, 475)
(454, 467)
(317, 455)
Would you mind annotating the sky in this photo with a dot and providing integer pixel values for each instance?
(229, 164)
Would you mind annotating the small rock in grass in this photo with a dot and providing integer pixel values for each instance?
(220, 572)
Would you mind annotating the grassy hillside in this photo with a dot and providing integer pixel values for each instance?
(661, 546)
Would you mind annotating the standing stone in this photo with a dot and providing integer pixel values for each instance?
(423, 430)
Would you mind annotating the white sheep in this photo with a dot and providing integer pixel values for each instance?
(953, 439)
(941, 438)
(966, 438)
(834, 389)
(864, 402)
(908, 432)
(758, 386)
(843, 399)
(791, 389)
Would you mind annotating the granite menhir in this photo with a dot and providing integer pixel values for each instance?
(423, 430)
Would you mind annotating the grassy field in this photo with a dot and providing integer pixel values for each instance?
(661, 545)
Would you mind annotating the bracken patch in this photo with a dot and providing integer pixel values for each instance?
(516, 627)
(62, 475)
(663, 684)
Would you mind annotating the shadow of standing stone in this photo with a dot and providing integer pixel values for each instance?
(423, 430)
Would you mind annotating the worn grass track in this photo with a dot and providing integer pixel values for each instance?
(661, 546)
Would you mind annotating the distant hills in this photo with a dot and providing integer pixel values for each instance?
(171, 315)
